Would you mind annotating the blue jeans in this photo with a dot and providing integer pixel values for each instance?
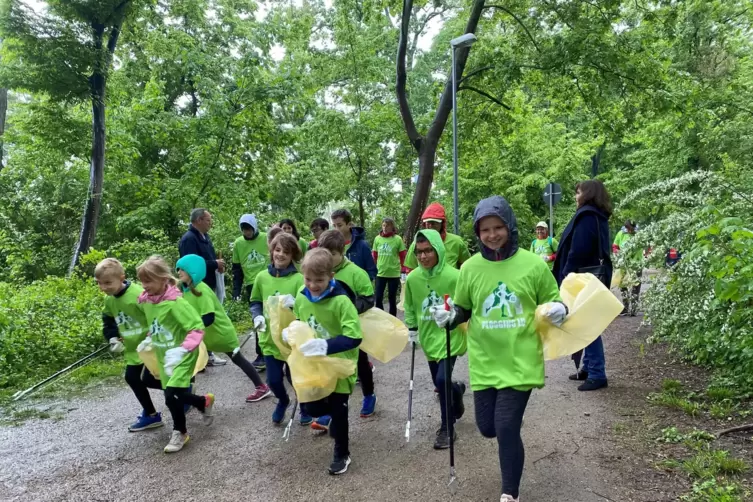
(438, 376)
(593, 360)
(275, 378)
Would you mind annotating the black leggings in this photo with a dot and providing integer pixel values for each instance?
(392, 284)
(248, 368)
(140, 386)
(439, 378)
(365, 374)
(175, 399)
(336, 406)
(247, 290)
(499, 414)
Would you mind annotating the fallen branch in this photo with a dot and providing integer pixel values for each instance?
(731, 430)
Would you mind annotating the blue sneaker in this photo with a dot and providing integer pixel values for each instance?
(322, 423)
(368, 405)
(279, 414)
(145, 421)
(306, 419)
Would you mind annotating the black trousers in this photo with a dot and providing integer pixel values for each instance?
(175, 399)
(246, 297)
(336, 406)
(141, 385)
(392, 284)
(365, 374)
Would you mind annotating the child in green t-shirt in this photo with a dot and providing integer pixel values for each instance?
(219, 332)
(325, 306)
(281, 278)
(389, 255)
(175, 333)
(425, 288)
(543, 245)
(357, 284)
(124, 328)
(498, 291)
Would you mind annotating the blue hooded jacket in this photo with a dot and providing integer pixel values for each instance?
(359, 252)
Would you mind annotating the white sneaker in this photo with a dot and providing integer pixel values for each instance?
(508, 498)
(216, 361)
(177, 441)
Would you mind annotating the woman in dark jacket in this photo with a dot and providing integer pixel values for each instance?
(585, 243)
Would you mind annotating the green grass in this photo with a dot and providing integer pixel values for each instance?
(708, 464)
(671, 386)
(722, 409)
(711, 490)
(720, 393)
(671, 400)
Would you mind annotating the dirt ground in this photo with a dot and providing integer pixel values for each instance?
(572, 449)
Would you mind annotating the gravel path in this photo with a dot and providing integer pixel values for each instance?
(89, 455)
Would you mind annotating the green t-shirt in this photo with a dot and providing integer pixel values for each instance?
(388, 259)
(504, 349)
(329, 318)
(169, 323)
(131, 320)
(545, 247)
(622, 238)
(303, 245)
(265, 286)
(425, 289)
(220, 336)
(455, 248)
(252, 255)
(355, 277)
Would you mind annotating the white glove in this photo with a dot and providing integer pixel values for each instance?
(441, 316)
(145, 345)
(556, 313)
(403, 278)
(286, 336)
(288, 301)
(315, 347)
(173, 357)
(545, 258)
(413, 336)
(116, 346)
(260, 324)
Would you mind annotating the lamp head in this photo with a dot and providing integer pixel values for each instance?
(463, 41)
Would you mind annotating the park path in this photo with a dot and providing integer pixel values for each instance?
(89, 455)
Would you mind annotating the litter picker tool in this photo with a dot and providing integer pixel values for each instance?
(448, 401)
(410, 392)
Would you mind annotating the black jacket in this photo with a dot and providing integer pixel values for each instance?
(584, 242)
(194, 242)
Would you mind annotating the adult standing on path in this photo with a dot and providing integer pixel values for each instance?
(389, 255)
(435, 218)
(498, 290)
(196, 241)
(584, 247)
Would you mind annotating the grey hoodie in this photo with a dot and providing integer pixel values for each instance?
(497, 206)
(251, 220)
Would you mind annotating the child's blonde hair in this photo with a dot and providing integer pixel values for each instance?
(156, 268)
(109, 267)
(318, 261)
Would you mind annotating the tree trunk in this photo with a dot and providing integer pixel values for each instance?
(3, 112)
(423, 187)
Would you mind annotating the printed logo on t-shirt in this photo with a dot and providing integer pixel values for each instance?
(433, 300)
(255, 258)
(509, 306)
(161, 337)
(318, 328)
(385, 248)
(127, 325)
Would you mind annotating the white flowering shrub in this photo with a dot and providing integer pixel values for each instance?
(703, 305)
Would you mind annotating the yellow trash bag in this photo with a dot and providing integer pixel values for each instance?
(592, 308)
(279, 319)
(616, 279)
(314, 378)
(384, 336)
(149, 358)
(401, 303)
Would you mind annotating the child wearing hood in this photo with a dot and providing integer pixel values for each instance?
(498, 290)
(425, 288)
(389, 255)
(175, 333)
(219, 332)
(435, 218)
(250, 256)
(281, 278)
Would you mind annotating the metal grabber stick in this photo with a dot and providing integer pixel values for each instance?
(410, 392)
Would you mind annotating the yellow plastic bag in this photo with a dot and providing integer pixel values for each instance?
(592, 308)
(384, 336)
(616, 279)
(279, 319)
(401, 304)
(314, 378)
(149, 358)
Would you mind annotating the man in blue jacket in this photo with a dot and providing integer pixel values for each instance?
(357, 249)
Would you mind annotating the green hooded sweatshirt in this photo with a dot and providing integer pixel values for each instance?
(425, 289)
(220, 336)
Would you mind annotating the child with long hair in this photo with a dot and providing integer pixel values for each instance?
(175, 333)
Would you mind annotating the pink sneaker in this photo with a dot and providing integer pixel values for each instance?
(260, 393)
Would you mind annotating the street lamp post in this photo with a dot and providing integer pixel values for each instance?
(456, 43)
